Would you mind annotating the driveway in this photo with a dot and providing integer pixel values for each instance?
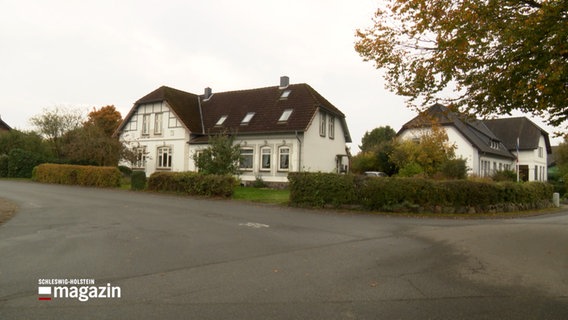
(173, 257)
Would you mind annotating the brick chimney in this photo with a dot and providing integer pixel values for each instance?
(284, 82)
(207, 93)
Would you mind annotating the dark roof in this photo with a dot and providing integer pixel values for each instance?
(475, 131)
(4, 126)
(526, 131)
(267, 107)
(201, 115)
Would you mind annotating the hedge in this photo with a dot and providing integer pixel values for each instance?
(320, 189)
(415, 195)
(193, 183)
(106, 177)
(21, 163)
(138, 180)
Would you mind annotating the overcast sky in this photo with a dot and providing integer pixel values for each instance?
(86, 54)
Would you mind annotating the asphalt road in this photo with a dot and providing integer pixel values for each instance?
(181, 258)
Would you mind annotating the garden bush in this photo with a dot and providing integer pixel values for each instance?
(193, 183)
(138, 180)
(21, 163)
(399, 194)
(4, 165)
(321, 189)
(106, 177)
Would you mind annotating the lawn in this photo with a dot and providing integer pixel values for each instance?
(263, 195)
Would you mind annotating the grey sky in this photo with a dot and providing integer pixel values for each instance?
(89, 54)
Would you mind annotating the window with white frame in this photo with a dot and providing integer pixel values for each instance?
(540, 152)
(173, 121)
(323, 123)
(285, 115)
(146, 124)
(331, 127)
(265, 158)
(247, 118)
(158, 123)
(283, 158)
(246, 160)
(221, 120)
(140, 161)
(164, 157)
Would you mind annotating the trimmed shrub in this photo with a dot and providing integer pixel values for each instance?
(138, 180)
(399, 194)
(193, 183)
(106, 177)
(321, 189)
(21, 163)
(4, 165)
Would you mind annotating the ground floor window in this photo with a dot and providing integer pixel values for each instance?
(265, 159)
(140, 161)
(246, 159)
(164, 158)
(284, 159)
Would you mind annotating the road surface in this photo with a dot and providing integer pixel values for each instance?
(174, 257)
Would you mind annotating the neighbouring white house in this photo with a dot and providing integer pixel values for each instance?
(280, 129)
(489, 146)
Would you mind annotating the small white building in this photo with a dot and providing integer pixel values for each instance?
(280, 129)
(489, 146)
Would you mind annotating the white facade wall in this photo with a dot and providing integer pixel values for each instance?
(321, 146)
(479, 165)
(155, 129)
(314, 150)
(536, 161)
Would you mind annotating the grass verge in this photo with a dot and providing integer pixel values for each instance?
(263, 195)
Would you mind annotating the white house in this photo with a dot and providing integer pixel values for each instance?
(281, 129)
(489, 146)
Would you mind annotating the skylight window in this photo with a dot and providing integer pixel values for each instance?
(221, 120)
(247, 118)
(285, 115)
(285, 94)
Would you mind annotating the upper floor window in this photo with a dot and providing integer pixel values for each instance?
(331, 127)
(285, 94)
(221, 120)
(540, 152)
(158, 123)
(247, 118)
(145, 124)
(323, 123)
(164, 157)
(285, 115)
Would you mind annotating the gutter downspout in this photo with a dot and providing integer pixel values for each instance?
(201, 115)
(299, 151)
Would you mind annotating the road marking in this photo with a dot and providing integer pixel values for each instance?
(254, 225)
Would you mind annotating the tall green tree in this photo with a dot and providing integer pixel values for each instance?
(53, 123)
(376, 146)
(498, 55)
(376, 138)
(93, 143)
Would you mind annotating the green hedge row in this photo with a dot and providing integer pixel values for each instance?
(193, 183)
(106, 177)
(18, 163)
(415, 195)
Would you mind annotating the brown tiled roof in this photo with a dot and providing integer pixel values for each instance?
(185, 105)
(267, 106)
(4, 126)
(201, 115)
(475, 131)
(528, 133)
